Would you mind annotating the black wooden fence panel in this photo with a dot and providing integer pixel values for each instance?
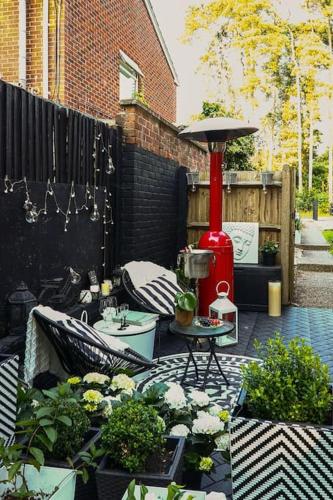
(41, 140)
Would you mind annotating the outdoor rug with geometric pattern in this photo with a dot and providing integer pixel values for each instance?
(171, 369)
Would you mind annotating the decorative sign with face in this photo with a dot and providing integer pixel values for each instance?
(245, 239)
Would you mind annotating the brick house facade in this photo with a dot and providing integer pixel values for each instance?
(90, 38)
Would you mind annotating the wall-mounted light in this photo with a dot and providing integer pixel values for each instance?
(230, 177)
(192, 177)
(267, 180)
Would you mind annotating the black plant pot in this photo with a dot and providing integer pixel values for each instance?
(268, 259)
(112, 483)
(83, 491)
(192, 479)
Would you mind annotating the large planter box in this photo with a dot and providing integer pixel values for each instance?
(280, 460)
(46, 480)
(8, 396)
(112, 483)
(83, 491)
(161, 493)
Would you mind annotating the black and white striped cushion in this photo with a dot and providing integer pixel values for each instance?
(8, 397)
(159, 294)
(88, 332)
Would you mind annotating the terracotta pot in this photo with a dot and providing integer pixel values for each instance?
(184, 318)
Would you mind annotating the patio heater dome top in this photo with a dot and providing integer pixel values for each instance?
(217, 130)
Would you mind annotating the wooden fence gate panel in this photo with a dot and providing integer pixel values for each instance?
(248, 202)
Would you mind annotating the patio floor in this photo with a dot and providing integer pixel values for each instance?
(313, 324)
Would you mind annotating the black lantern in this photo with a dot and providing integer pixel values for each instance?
(20, 303)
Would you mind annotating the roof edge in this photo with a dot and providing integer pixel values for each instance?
(165, 49)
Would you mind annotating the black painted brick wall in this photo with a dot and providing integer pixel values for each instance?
(153, 207)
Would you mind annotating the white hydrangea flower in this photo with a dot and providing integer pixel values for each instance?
(108, 408)
(223, 442)
(175, 398)
(207, 424)
(95, 378)
(122, 382)
(34, 403)
(215, 410)
(180, 430)
(200, 398)
(215, 495)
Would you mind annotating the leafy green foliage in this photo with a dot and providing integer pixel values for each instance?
(132, 434)
(186, 301)
(304, 201)
(290, 384)
(270, 247)
(239, 152)
(174, 492)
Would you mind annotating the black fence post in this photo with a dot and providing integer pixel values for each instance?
(315, 210)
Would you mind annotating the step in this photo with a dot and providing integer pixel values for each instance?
(319, 248)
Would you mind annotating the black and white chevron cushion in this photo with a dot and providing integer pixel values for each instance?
(88, 332)
(8, 397)
(159, 294)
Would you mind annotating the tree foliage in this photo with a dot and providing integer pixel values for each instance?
(274, 63)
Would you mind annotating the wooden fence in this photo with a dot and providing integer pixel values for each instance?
(248, 202)
(41, 140)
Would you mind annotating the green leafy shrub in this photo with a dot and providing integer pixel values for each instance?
(70, 439)
(291, 383)
(133, 433)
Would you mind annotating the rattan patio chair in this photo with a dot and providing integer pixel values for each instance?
(82, 350)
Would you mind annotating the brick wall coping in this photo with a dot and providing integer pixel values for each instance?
(134, 102)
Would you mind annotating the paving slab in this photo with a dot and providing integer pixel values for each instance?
(312, 232)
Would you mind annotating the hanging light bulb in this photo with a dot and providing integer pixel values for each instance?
(75, 277)
(31, 215)
(110, 168)
(94, 216)
(27, 205)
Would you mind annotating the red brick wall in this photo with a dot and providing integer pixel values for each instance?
(92, 33)
(149, 131)
(95, 31)
(9, 42)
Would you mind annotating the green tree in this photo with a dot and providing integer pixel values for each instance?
(239, 152)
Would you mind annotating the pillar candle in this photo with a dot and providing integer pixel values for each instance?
(105, 289)
(274, 298)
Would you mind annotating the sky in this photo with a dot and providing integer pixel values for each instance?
(193, 86)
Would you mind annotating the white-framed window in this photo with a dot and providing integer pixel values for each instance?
(129, 73)
(128, 82)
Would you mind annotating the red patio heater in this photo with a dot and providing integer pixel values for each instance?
(216, 131)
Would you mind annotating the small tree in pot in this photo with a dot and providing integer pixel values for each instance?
(186, 303)
(269, 251)
(136, 448)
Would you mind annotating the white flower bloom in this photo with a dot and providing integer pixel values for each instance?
(207, 424)
(34, 403)
(108, 408)
(223, 442)
(122, 382)
(214, 495)
(174, 385)
(96, 378)
(150, 496)
(175, 398)
(215, 410)
(129, 392)
(200, 398)
(180, 430)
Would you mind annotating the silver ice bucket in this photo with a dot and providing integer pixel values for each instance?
(196, 263)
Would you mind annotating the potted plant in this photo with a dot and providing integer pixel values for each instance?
(59, 426)
(135, 448)
(282, 428)
(193, 416)
(23, 475)
(186, 303)
(268, 252)
(172, 492)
